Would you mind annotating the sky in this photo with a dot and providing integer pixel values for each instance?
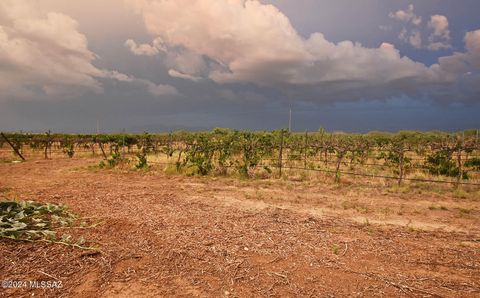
(161, 65)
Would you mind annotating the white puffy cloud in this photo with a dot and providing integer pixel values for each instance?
(464, 63)
(463, 69)
(157, 90)
(244, 41)
(146, 49)
(414, 38)
(240, 41)
(440, 37)
(408, 16)
(182, 62)
(235, 34)
(43, 53)
(472, 42)
(439, 24)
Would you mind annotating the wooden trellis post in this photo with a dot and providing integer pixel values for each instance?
(459, 160)
(401, 164)
(305, 151)
(280, 156)
(103, 151)
(13, 147)
(47, 144)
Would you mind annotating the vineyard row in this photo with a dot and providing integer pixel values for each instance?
(451, 156)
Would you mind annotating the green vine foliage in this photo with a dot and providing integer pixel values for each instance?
(252, 149)
(199, 154)
(441, 163)
(473, 163)
(243, 152)
(69, 149)
(142, 159)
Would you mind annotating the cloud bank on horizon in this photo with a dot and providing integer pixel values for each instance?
(228, 42)
(249, 42)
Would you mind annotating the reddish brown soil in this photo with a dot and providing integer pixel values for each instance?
(166, 235)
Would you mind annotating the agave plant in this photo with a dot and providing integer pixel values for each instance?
(32, 221)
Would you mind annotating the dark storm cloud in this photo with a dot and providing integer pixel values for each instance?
(251, 79)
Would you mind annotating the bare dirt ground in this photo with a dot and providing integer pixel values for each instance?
(169, 235)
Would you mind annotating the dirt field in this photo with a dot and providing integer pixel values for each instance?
(169, 235)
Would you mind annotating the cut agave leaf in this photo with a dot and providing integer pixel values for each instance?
(20, 215)
(28, 220)
(51, 235)
(16, 226)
